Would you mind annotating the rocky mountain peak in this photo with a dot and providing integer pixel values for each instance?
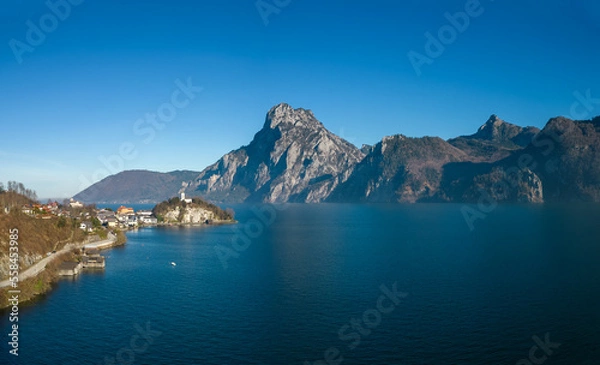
(294, 158)
(493, 124)
(285, 115)
(494, 140)
(497, 130)
(390, 140)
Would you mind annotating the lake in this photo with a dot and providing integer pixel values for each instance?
(334, 284)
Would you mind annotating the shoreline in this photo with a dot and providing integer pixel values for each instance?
(180, 224)
(35, 287)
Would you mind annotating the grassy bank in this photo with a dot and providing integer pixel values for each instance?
(34, 287)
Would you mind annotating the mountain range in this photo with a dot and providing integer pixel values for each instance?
(136, 186)
(294, 158)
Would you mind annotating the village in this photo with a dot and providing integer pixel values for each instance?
(94, 229)
(98, 225)
(90, 218)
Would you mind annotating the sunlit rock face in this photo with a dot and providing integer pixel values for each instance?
(293, 158)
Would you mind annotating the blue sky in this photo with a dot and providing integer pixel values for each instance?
(76, 97)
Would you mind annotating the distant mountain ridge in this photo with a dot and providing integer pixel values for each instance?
(136, 186)
(399, 169)
(495, 140)
(294, 158)
(561, 164)
(499, 131)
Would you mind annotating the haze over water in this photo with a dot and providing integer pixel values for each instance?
(472, 297)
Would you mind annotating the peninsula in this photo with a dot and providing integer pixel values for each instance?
(190, 211)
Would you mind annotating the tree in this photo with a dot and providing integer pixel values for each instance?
(96, 223)
(62, 222)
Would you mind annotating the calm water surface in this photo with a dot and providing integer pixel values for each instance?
(473, 297)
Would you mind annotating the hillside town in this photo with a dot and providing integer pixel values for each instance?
(91, 218)
(94, 229)
(69, 235)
